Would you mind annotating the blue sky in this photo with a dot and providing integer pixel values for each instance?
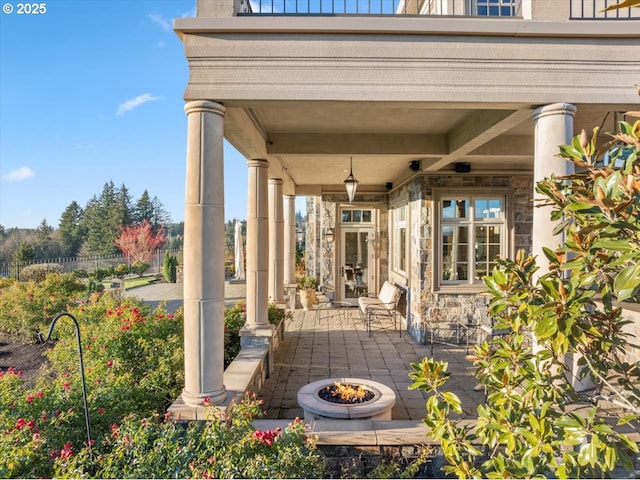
(91, 91)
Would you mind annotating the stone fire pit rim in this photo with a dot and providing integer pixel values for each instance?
(309, 400)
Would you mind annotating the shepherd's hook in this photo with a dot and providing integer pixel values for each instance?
(84, 383)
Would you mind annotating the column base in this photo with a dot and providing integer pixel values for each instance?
(181, 410)
(204, 399)
(256, 335)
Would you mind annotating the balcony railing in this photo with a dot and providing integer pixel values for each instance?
(474, 8)
(578, 9)
(594, 10)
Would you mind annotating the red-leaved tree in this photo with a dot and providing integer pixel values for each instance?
(139, 242)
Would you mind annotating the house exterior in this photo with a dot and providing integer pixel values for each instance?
(446, 112)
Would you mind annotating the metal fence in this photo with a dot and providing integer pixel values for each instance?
(86, 263)
(594, 10)
(578, 9)
(476, 8)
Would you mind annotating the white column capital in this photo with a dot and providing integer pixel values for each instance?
(275, 181)
(554, 109)
(257, 163)
(204, 106)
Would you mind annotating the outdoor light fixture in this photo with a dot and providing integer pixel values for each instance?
(351, 183)
(328, 234)
(300, 236)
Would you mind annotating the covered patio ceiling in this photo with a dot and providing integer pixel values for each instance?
(310, 143)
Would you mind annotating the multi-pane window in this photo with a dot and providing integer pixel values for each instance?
(399, 239)
(473, 234)
(356, 216)
(494, 8)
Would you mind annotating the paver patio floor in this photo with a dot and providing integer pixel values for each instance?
(336, 344)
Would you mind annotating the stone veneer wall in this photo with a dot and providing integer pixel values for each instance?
(321, 254)
(449, 308)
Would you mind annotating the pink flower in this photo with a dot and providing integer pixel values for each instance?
(29, 398)
(266, 437)
(36, 437)
(65, 385)
(40, 394)
(20, 423)
(110, 363)
(206, 401)
(66, 451)
(101, 411)
(170, 316)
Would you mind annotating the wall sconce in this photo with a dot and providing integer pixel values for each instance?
(328, 234)
(351, 183)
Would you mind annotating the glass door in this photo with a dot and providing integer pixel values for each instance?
(355, 270)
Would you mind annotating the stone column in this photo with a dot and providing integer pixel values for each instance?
(203, 254)
(276, 241)
(289, 239)
(257, 273)
(553, 127)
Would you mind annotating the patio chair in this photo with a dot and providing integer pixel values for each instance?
(380, 307)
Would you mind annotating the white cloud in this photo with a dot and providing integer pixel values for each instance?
(159, 20)
(19, 174)
(136, 102)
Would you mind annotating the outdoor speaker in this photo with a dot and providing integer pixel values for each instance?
(414, 165)
(463, 167)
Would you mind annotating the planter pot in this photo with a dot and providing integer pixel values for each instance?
(308, 299)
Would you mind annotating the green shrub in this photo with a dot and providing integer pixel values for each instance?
(29, 307)
(99, 274)
(169, 267)
(223, 447)
(139, 268)
(121, 270)
(134, 367)
(38, 272)
(528, 425)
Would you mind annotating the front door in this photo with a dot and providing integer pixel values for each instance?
(357, 267)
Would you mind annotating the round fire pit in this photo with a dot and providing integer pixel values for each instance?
(319, 400)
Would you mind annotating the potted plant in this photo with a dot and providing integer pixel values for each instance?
(307, 286)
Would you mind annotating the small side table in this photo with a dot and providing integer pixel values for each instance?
(328, 306)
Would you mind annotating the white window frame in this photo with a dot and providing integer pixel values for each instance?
(400, 213)
(494, 8)
(504, 223)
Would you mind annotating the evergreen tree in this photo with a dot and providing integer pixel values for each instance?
(43, 239)
(160, 215)
(143, 209)
(103, 217)
(21, 257)
(125, 210)
(71, 228)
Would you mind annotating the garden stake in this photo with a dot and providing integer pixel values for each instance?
(84, 383)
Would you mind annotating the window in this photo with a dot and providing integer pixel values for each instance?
(473, 233)
(356, 216)
(399, 242)
(494, 8)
